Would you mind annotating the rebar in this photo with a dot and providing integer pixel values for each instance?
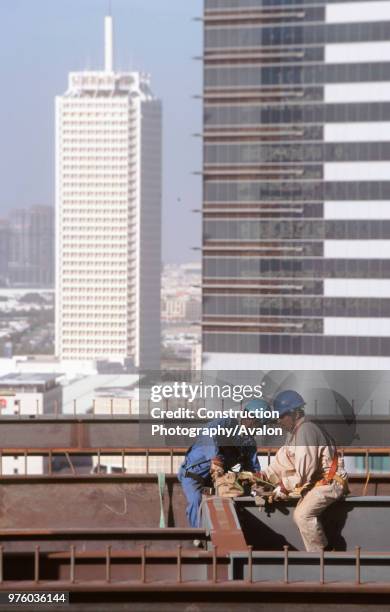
(285, 564)
(357, 573)
(36, 564)
(179, 564)
(108, 563)
(250, 563)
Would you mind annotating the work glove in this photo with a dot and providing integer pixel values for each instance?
(257, 480)
(280, 493)
(216, 468)
(228, 485)
(261, 476)
(260, 479)
(246, 477)
(252, 477)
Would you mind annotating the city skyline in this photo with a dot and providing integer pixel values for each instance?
(325, 181)
(43, 42)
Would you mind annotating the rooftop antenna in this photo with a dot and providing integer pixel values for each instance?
(108, 41)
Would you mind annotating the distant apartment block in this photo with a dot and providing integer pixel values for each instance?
(108, 199)
(180, 308)
(296, 212)
(4, 252)
(196, 357)
(41, 245)
(30, 247)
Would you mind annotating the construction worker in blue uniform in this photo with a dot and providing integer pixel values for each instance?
(211, 456)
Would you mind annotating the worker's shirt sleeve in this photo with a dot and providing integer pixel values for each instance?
(280, 466)
(211, 449)
(213, 444)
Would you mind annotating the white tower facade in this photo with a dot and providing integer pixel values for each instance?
(108, 224)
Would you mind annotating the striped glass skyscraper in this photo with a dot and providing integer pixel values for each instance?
(296, 213)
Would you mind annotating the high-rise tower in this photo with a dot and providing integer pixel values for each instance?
(108, 227)
(296, 215)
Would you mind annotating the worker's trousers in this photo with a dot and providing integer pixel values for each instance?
(193, 492)
(308, 510)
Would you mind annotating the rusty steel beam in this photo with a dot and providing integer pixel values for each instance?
(189, 570)
(220, 519)
(350, 451)
(195, 570)
(359, 484)
(88, 504)
(374, 479)
(115, 566)
(186, 555)
(71, 433)
(144, 571)
(106, 533)
(74, 450)
(140, 451)
(120, 432)
(79, 478)
(222, 587)
(366, 483)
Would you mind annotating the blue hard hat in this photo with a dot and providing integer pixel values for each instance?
(257, 404)
(286, 401)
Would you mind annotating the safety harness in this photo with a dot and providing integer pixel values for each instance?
(332, 475)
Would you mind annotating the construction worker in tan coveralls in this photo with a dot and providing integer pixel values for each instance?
(308, 463)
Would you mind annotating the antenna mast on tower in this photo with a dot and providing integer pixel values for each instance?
(108, 41)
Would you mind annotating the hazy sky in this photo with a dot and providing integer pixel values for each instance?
(42, 40)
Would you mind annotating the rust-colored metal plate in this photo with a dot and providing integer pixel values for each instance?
(99, 504)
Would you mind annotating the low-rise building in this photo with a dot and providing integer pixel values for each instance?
(30, 394)
(115, 401)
